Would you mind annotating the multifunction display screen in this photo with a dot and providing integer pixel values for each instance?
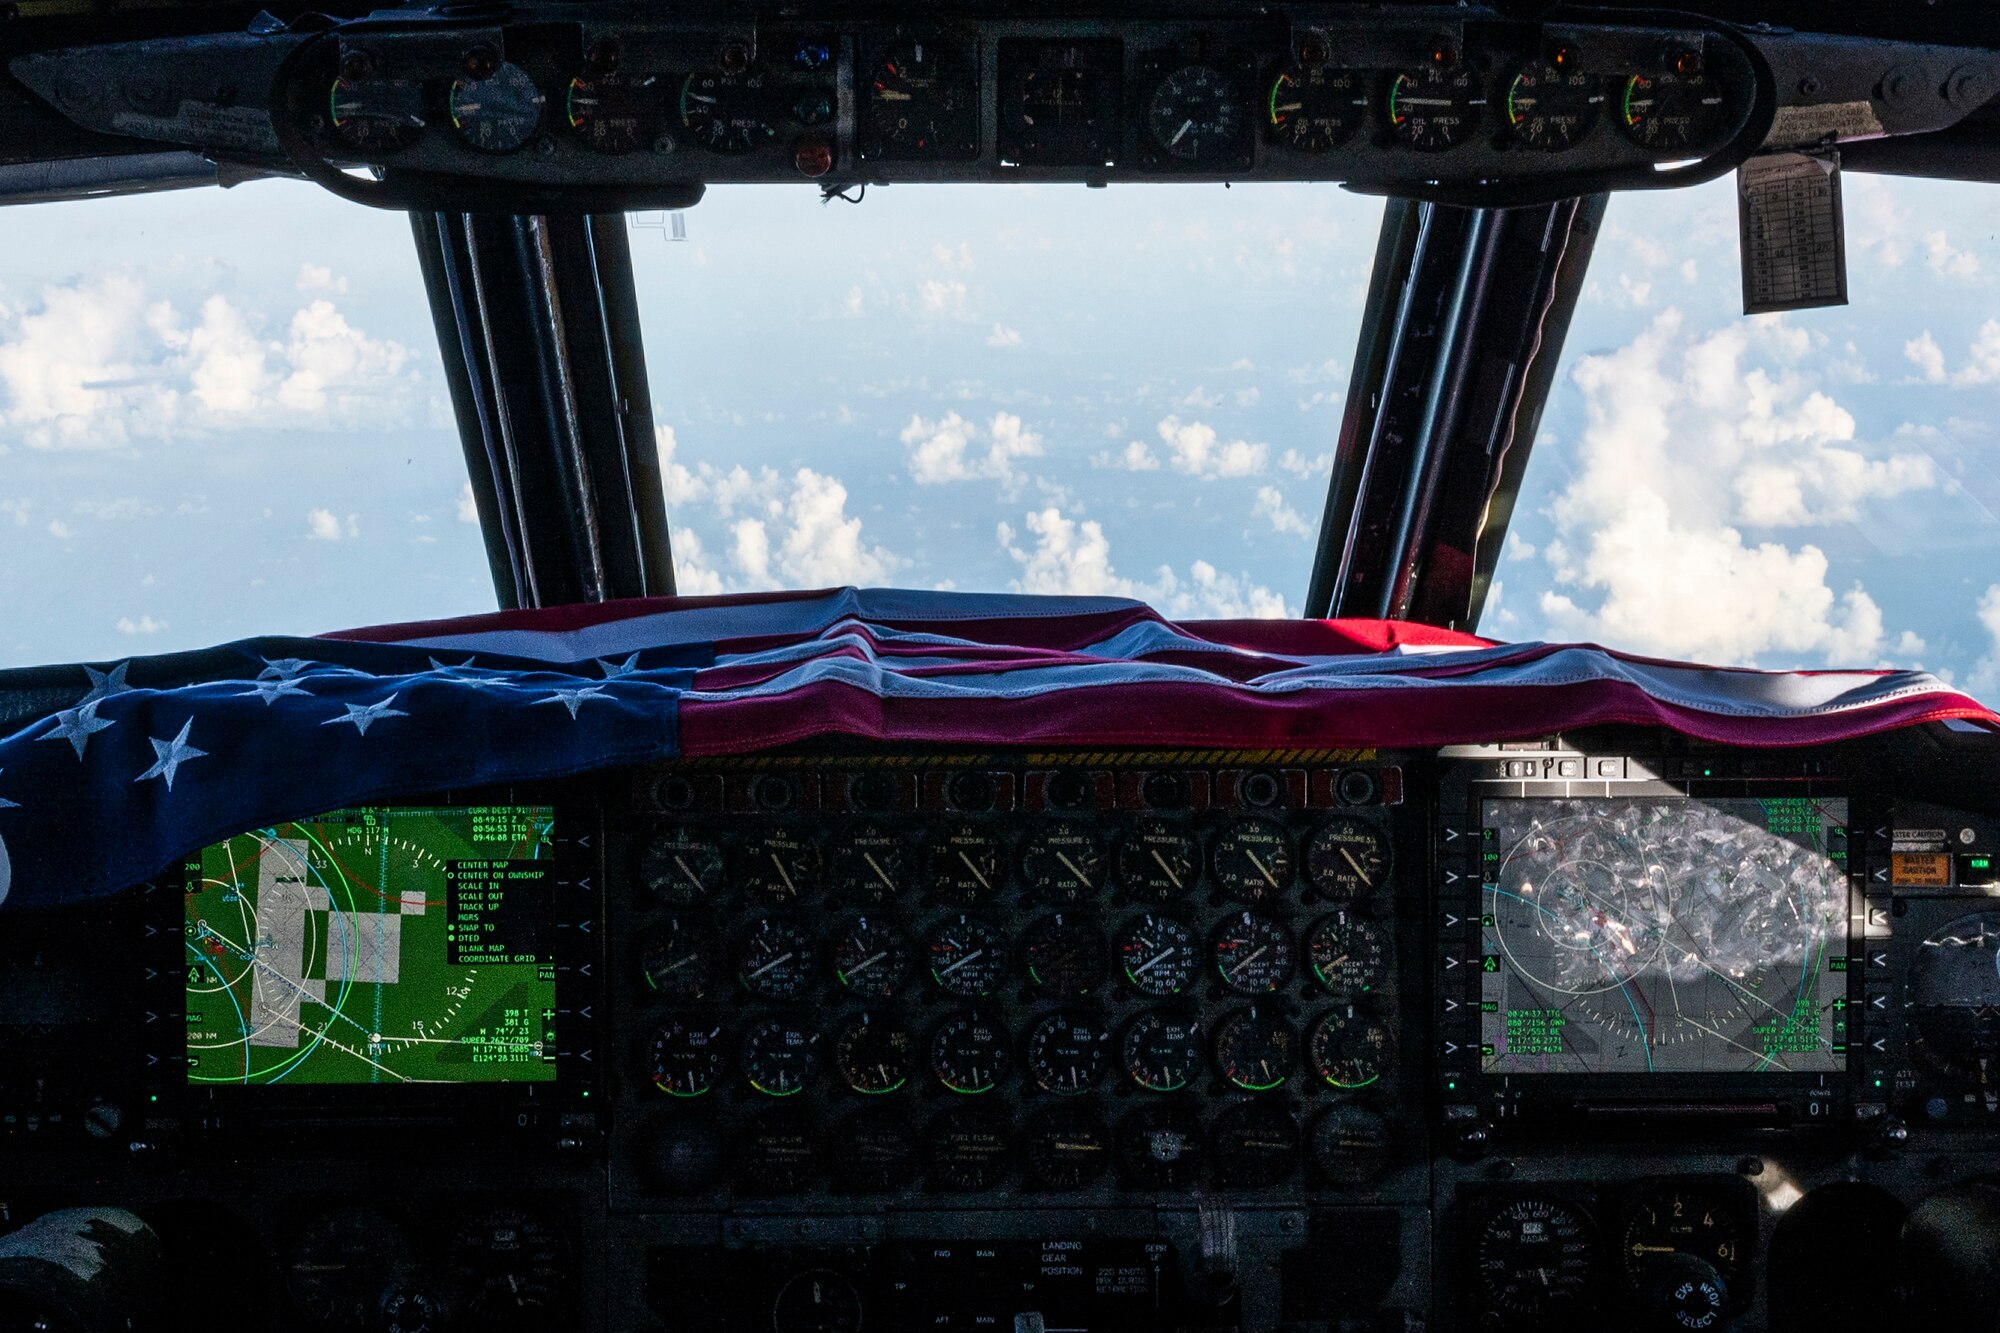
(1663, 935)
(375, 945)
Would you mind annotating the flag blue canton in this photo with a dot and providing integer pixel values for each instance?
(109, 774)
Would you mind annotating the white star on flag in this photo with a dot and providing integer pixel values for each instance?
(613, 670)
(284, 668)
(104, 684)
(269, 688)
(574, 699)
(364, 716)
(77, 725)
(168, 756)
(466, 674)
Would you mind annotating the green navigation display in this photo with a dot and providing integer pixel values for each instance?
(375, 945)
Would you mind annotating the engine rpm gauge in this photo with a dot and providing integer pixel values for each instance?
(774, 959)
(496, 114)
(874, 1055)
(685, 1056)
(1436, 107)
(871, 957)
(1349, 1050)
(1253, 953)
(1195, 115)
(724, 111)
(611, 113)
(967, 957)
(1552, 104)
(1253, 859)
(1157, 954)
(1673, 110)
(1068, 1052)
(1348, 858)
(678, 957)
(1316, 109)
(1161, 1050)
(1348, 954)
(919, 104)
(1158, 861)
(1533, 1260)
(779, 1056)
(1066, 954)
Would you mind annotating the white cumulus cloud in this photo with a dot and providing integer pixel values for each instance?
(143, 625)
(1194, 447)
(952, 449)
(1272, 508)
(323, 525)
(1068, 556)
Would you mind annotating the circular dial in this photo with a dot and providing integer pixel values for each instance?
(1533, 1259)
(779, 1056)
(1158, 860)
(780, 866)
(817, 1301)
(1068, 1052)
(1063, 862)
(1157, 954)
(1161, 1147)
(1195, 114)
(1253, 953)
(776, 1154)
(874, 1151)
(871, 957)
(1350, 1145)
(774, 959)
(375, 117)
(511, 1261)
(1256, 1145)
(1253, 859)
(680, 866)
(1066, 954)
(1436, 107)
(1254, 1049)
(1553, 104)
(1348, 954)
(725, 112)
(966, 863)
(969, 1052)
(1161, 1050)
(1349, 1050)
(967, 1148)
(967, 957)
(684, 1056)
(873, 1054)
(1671, 112)
(919, 104)
(496, 114)
(1954, 997)
(611, 113)
(1315, 110)
(1066, 111)
(1066, 1147)
(1347, 858)
(340, 1263)
(870, 865)
(678, 957)
(1684, 1219)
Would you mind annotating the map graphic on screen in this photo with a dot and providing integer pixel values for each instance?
(1663, 935)
(374, 945)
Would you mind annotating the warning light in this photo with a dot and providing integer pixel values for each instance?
(1444, 54)
(1561, 57)
(1687, 64)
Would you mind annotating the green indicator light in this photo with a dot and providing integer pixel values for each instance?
(1878, 1082)
(1451, 1085)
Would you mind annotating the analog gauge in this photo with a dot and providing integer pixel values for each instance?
(871, 957)
(511, 1262)
(499, 113)
(817, 1301)
(1061, 103)
(1553, 104)
(1254, 1049)
(920, 104)
(685, 1056)
(967, 1148)
(969, 1052)
(341, 1262)
(1349, 1050)
(1066, 1147)
(1436, 107)
(966, 863)
(1253, 859)
(1067, 1052)
(873, 1054)
(680, 957)
(1255, 1145)
(968, 957)
(1348, 954)
(1158, 861)
(726, 112)
(1161, 1147)
(679, 866)
(1066, 954)
(774, 959)
(1253, 953)
(375, 117)
(1161, 1050)
(776, 1153)
(1158, 954)
(1316, 110)
(1063, 862)
(1195, 115)
(1697, 1218)
(1348, 858)
(613, 114)
(1669, 112)
(1954, 998)
(870, 865)
(1533, 1260)
(780, 867)
(1350, 1145)
(874, 1151)
(779, 1056)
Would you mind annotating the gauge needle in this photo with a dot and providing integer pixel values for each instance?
(891, 95)
(1180, 133)
(976, 953)
(1269, 878)
(880, 873)
(783, 874)
(697, 97)
(1336, 962)
(1348, 857)
(1423, 101)
(678, 964)
(975, 872)
(1071, 866)
(1241, 963)
(784, 957)
(1166, 869)
(1148, 966)
(1290, 106)
(692, 878)
(867, 963)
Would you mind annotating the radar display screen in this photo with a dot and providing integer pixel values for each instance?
(1663, 935)
(376, 945)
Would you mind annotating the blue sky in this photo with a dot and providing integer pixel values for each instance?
(222, 413)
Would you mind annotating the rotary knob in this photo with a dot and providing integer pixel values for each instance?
(1683, 1293)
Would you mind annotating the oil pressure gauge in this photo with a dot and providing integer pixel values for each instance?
(1552, 104)
(496, 114)
(1315, 110)
(1435, 108)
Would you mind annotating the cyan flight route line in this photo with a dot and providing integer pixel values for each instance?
(1637, 1022)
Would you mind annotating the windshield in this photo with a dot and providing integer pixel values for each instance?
(222, 414)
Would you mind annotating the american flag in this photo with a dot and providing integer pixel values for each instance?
(109, 772)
